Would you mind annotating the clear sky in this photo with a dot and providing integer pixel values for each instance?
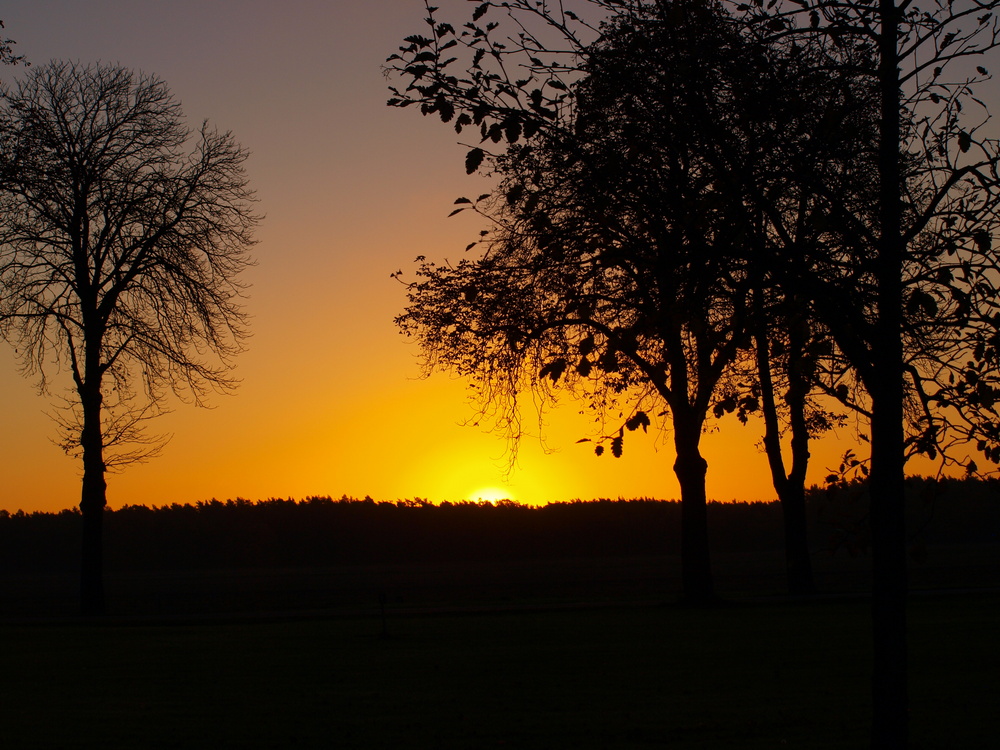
(331, 401)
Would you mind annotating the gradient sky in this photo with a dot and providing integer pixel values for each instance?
(331, 401)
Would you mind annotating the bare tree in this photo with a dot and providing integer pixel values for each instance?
(123, 240)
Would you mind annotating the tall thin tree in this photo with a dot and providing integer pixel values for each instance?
(122, 241)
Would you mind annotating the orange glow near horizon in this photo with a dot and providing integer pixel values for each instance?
(331, 402)
(491, 495)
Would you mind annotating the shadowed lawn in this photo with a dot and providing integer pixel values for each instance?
(746, 676)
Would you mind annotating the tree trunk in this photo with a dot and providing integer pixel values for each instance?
(92, 501)
(691, 468)
(793, 503)
(889, 689)
(790, 488)
(798, 564)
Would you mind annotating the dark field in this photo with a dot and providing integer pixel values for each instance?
(741, 676)
(361, 625)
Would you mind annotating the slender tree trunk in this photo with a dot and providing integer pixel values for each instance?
(889, 682)
(800, 575)
(798, 562)
(92, 502)
(690, 467)
(790, 488)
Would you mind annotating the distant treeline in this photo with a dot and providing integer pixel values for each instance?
(322, 531)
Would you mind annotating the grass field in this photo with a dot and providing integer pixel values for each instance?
(739, 676)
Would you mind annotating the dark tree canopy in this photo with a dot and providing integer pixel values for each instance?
(629, 252)
(927, 262)
(858, 217)
(122, 241)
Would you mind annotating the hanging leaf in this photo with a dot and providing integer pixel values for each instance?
(462, 121)
(553, 370)
(964, 141)
(984, 241)
(473, 159)
(512, 129)
(480, 11)
(639, 419)
(616, 446)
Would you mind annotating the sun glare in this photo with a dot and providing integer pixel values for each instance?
(490, 495)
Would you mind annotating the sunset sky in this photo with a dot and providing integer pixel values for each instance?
(331, 401)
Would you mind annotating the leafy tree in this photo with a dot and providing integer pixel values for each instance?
(926, 260)
(612, 268)
(809, 119)
(122, 246)
(624, 258)
(898, 271)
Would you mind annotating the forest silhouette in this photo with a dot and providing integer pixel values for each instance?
(954, 527)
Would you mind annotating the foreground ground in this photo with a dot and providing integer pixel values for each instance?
(761, 675)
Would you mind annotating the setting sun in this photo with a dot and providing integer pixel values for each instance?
(490, 495)
(331, 393)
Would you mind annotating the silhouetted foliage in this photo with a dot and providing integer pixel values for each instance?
(624, 263)
(927, 262)
(7, 56)
(902, 275)
(122, 239)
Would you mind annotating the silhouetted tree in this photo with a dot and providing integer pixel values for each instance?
(609, 270)
(936, 204)
(810, 119)
(122, 247)
(623, 257)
